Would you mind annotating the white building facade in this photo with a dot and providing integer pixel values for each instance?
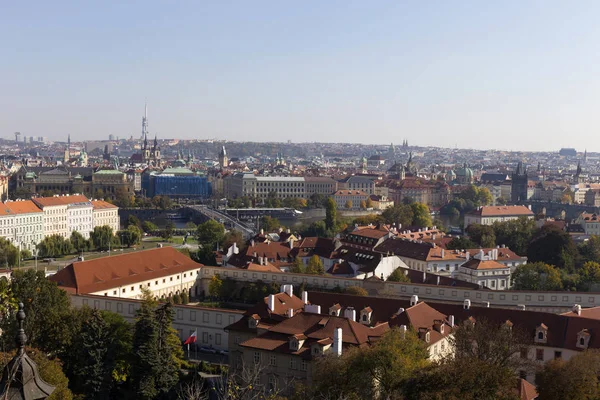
(105, 213)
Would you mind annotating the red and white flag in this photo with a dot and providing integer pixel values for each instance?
(191, 339)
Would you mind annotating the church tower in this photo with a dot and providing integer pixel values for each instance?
(519, 184)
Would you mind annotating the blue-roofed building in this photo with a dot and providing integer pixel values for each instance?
(176, 182)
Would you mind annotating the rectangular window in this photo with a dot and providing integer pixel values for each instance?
(557, 354)
(539, 354)
(204, 337)
(237, 340)
(273, 360)
(256, 357)
(219, 319)
(217, 338)
(192, 315)
(205, 317)
(303, 365)
(292, 362)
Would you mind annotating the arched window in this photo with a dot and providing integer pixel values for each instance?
(540, 335)
(582, 342)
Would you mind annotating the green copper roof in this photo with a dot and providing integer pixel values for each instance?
(108, 172)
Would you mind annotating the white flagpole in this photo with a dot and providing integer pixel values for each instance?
(188, 351)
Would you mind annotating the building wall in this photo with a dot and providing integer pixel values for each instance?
(106, 216)
(55, 221)
(79, 218)
(29, 230)
(209, 322)
(535, 301)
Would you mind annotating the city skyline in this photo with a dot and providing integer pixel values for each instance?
(463, 75)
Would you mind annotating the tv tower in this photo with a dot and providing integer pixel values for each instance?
(145, 122)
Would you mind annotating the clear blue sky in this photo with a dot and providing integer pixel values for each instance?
(479, 74)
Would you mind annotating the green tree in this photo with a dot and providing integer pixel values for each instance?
(215, 285)
(169, 229)
(48, 311)
(149, 227)
(315, 266)
(575, 379)
(330, 214)
(553, 246)
(169, 350)
(421, 215)
(131, 236)
(401, 215)
(356, 291)
(316, 200)
(484, 196)
(348, 204)
(483, 235)
(297, 266)
(369, 203)
(383, 370)
(146, 358)
(176, 299)
(460, 243)
(270, 224)
(133, 220)
(515, 234)
(95, 361)
(501, 201)
(102, 237)
(9, 254)
(589, 274)
(210, 233)
(536, 276)
(55, 246)
(231, 237)
(363, 205)
(162, 202)
(79, 242)
(398, 275)
(184, 297)
(123, 199)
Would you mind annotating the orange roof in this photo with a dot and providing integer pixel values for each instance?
(83, 277)
(4, 210)
(23, 207)
(474, 263)
(60, 200)
(499, 211)
(347, 192)
(100, 204)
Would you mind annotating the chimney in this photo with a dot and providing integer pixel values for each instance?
(481, 254)
(467, 304)
(521, 307)
(254, 254)
(260, 260)
(451, 320)
(252, 242)
(350, 313)
(337, 341)
(289, 231)
(438, 280)
(414, 299)
(403, 331)
(467, 256)
(291, 243)
(272, 302)
(262, 232)
(443, 253)
(400, 310)
(424, 277)
(290, 312)
(288, 289)
(305, 297)
(577, 309)
(236, 250)
(486, 304)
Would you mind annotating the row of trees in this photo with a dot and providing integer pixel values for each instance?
(468, 200)
(101, 238)
(94, 354)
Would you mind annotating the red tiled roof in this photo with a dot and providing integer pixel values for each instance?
(60, 200)
(23, 207)
(474, 263)
(499, 211)
(84, 277)
(101, 204)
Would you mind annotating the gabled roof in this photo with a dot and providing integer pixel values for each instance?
(60, 200)
(500, 211)
(84, 277)
(23, 207)
(101, 204)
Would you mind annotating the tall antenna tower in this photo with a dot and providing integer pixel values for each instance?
(145, 122)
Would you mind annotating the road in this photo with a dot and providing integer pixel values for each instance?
(211, 213)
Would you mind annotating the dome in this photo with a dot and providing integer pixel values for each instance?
(465, 173)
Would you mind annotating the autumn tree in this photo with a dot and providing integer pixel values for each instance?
(330, 214)
(574, 379)
(348, 204)
(356, 291)
(315, 266)
(421, 215)
(297, 266)
(536, 276)
(380, 371)
(401, 215)
(460, 243)
(398, 275)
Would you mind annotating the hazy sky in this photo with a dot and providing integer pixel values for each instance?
(482, 74)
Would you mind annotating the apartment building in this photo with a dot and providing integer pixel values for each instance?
(362, 183)
(28, 222)
(349, 199)
(57, 217)
(487, 215)
(485, 271)
(590, 222)
(79, 217)
(260, 187)
(323, 185)
(104, 213)
(163, 271)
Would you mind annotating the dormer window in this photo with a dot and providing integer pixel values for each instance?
(335, 310)
(541, 334)
(365, 315)
(438, 325)
(253, 321)
(583, 339)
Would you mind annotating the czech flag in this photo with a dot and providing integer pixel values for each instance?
(191, 339)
